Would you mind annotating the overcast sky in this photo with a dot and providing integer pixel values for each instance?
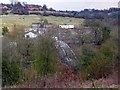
(72, 4)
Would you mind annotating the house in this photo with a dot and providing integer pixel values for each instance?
(66, 26)
(18, 8)
(34, 7)
(34, 31)
(31, 34)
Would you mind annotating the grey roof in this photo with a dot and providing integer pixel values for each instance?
(35, 32)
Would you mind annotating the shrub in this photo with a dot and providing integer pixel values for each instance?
(11, 73)
(86, 53)
(97, 63)
(4, 30)
(100, 66)
(105, 33)
(109, 49)
(11, 70)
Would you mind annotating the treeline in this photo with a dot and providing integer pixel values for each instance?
(93, 13)
(45, 11)
(86, 14)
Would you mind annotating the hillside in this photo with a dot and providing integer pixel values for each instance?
(45, 48)
(27, 20)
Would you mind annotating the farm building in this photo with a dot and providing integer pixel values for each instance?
(31, 35)
(37, 25)
(35, 30)
(66, 26)
(41, 25)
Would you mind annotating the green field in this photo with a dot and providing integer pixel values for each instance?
(27, 20)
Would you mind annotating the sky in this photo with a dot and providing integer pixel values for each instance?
(76, 5)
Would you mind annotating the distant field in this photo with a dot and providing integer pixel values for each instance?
(27, 20)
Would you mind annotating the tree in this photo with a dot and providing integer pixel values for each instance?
(4, 30)
(51, 9)
(45, 7)
(45, 56)
(98, 38)
(11, 73)
(25, 50)
(45, 21)
(99, 66)
(88, 52)
(105, 34)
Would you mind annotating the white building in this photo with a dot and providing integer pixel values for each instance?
(66, 26)
(31, 35)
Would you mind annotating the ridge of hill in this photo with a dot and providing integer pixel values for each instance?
(26, 9)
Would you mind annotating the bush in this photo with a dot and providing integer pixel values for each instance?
(85, 54)
(105, 33)
(4, 30)
(100, 66)
(96, 62)
(107, 49)
(11, 70)
(11, 73)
